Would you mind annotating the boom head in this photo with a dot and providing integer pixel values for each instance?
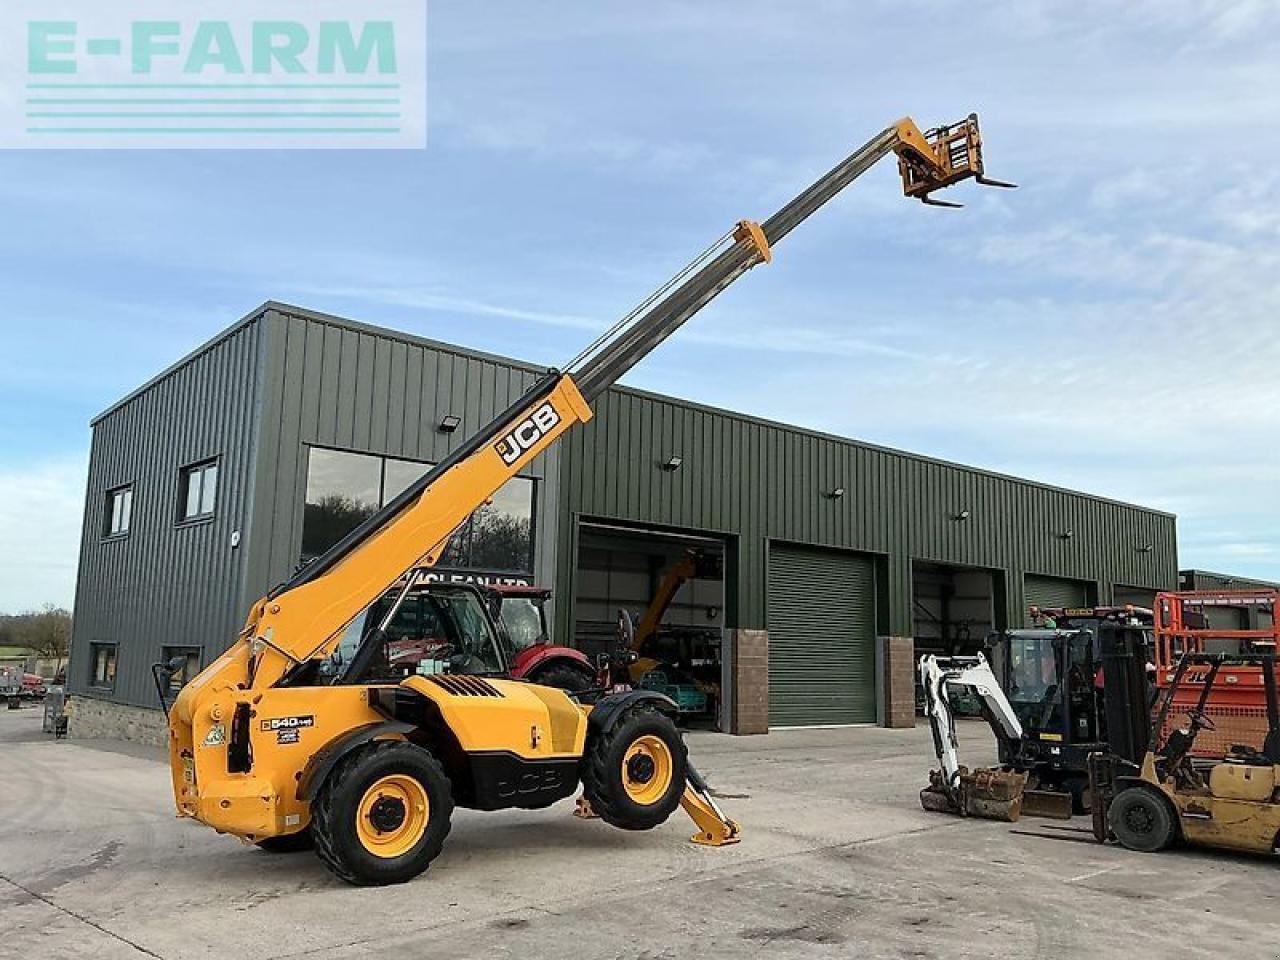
(939, 158)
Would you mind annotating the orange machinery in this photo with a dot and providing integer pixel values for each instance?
(1237, 705)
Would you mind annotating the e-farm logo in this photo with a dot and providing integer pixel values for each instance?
(221, 74)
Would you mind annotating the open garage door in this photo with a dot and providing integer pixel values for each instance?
(636, 570)
(953, 608)
(1054, 592)
(822, 628)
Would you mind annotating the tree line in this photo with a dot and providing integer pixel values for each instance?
(46, 632)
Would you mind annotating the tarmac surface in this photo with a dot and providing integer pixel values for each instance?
(838, 860)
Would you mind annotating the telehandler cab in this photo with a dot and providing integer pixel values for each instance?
(305, 726)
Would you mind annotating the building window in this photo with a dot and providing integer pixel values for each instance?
(102, 665)
(118, 512)
(345, 489)
(190, 666)
(198, 491)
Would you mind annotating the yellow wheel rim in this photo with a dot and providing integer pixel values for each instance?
(647, 769)
(393, 815)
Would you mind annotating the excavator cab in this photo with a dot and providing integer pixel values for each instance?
(1057, 687)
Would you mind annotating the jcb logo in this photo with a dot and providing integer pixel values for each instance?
(527, 433)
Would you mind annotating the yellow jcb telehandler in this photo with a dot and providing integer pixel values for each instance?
(307, 730)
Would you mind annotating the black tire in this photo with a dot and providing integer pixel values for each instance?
(562, 676)
(1141, 820)
(288, 843)
(607, 772)
(336, 810)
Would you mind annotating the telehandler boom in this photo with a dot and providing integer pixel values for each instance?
(306, 730)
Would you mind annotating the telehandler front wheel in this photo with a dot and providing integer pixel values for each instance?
(634, 773)
(383, 814)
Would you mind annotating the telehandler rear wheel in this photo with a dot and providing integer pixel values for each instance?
(383, 814)
(634, 774)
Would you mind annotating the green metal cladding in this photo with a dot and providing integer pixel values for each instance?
(757, 482)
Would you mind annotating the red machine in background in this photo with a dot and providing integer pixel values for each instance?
(521, 615)
(1237, 705)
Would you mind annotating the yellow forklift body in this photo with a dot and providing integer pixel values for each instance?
(291, 725)
(1233, 824)
(530, 721)
(1240, 781)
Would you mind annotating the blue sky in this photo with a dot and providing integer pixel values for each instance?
(1110, 326)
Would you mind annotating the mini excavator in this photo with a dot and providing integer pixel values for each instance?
(305, 732)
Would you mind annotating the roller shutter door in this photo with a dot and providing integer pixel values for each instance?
(822, 616)
(1055, 592)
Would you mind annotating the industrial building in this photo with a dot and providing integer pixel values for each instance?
(213, 481)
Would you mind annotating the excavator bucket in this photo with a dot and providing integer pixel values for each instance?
(941, 157)
(989, 794)
(1050, 804)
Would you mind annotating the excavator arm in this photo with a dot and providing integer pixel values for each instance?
(992, 793)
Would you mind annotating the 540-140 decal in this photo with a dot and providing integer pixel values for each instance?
(287, 729)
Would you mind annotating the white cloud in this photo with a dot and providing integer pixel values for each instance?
(41, 507)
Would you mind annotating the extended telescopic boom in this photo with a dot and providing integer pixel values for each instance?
(302, 618)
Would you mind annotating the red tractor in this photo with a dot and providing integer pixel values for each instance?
(419, 632)
(520, 612)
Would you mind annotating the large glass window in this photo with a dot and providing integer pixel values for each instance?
(344, 489)
(397, 476)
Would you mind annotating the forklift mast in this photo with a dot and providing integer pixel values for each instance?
(303, 618)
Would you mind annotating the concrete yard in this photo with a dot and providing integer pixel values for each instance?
(838, 861)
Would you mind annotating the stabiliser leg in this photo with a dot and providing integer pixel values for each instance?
(714, 828)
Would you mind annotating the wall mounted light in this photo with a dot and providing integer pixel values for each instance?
(962, 516)
(713, 612)
(1146, 548)
(449, 423)
(835, 494)
(1066, 534)
(672, 464)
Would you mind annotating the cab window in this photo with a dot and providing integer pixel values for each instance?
(432, 632)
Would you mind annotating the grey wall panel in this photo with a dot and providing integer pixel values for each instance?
(339, 384)
(167, 583)
(758, 480)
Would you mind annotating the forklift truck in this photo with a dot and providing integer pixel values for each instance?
(1169, 794)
